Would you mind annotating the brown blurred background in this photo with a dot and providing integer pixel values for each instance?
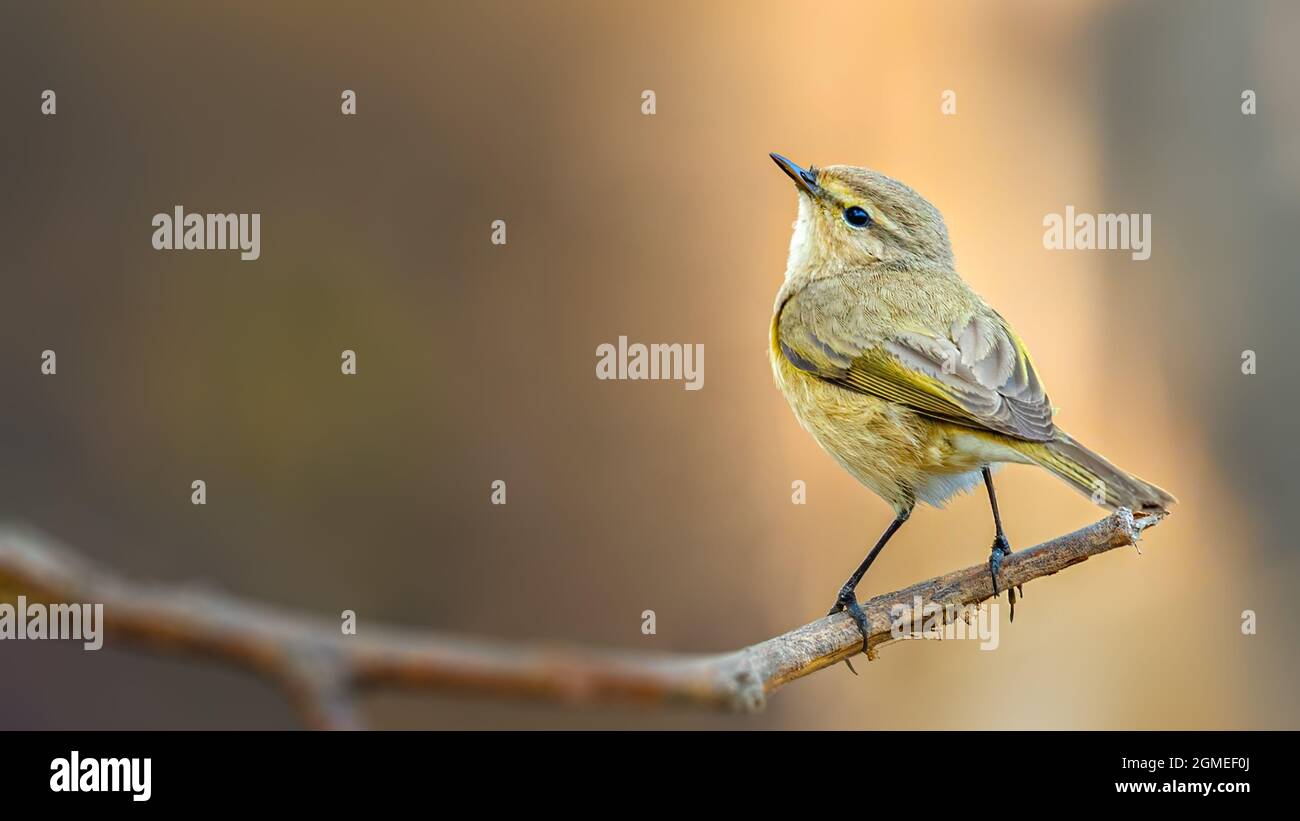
(476, 362)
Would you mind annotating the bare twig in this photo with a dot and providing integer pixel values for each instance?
(323, 670)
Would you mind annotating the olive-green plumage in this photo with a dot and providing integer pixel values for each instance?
(901, 371)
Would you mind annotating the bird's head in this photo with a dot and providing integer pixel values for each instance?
(857, 218)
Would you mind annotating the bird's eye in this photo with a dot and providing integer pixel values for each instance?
(857, 217)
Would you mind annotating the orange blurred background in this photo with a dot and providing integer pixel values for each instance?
(477, 362)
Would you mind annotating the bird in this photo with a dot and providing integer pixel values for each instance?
(906, 376)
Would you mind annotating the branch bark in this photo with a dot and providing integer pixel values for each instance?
(324, 671)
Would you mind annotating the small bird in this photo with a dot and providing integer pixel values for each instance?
(903, 373)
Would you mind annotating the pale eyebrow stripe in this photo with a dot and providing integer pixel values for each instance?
(845, 196)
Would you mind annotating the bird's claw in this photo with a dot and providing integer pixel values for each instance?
(847, 601)
(1002, 549)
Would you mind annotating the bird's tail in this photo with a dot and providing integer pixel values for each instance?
(1096, 478)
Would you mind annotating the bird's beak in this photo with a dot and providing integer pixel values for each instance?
(806, 180)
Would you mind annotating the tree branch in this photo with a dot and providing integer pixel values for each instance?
(323, 670)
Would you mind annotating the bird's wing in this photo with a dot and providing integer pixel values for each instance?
(978, 374)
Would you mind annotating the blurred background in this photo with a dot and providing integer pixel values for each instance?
(477, 362)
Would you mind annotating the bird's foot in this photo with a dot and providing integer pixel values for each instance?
(1002, 549)
(848, 601)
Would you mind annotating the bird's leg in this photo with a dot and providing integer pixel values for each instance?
(1001, 547)
(847, 600)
